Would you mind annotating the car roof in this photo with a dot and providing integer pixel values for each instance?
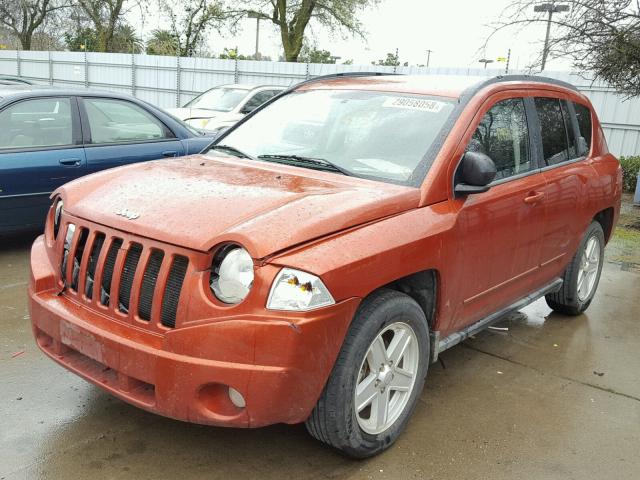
(22, 91)
(453, 86)
(244, 86)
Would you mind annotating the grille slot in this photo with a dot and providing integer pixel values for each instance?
(148, 287)
(172, 290)
(107, 272)
(77, 257)
(66, 247)
(93, 263)
(128, 272)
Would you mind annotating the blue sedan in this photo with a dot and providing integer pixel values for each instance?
(51, 136)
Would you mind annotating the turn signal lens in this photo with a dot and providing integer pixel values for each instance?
(298, 291)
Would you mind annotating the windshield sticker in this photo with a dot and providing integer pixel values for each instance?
(413, 103)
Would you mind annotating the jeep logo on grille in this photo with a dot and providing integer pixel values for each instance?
(129, 214)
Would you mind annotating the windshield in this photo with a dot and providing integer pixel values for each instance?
(220, 99)
(379, 135)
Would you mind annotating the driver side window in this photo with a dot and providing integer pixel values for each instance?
(503, 135)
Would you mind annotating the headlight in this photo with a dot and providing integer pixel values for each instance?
(231, 274)
(57, 215)
(296, 290)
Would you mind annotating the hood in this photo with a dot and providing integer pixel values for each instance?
(202, 200)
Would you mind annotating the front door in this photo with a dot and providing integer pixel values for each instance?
(500, 231)
(40, 150)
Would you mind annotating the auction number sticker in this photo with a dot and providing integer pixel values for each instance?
(413, 103)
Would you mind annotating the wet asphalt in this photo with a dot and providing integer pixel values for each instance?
(553, 397)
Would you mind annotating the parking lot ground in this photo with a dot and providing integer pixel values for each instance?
(552, 397)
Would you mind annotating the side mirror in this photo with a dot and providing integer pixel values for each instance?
(475, 173)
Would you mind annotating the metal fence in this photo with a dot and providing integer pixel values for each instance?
(172, 81)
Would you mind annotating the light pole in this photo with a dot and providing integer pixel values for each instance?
(428, 56)
(258, 17)
(550, 8)
(485, 61)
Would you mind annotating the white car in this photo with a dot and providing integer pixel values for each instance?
(220, 107)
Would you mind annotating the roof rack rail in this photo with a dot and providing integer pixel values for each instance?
(339, 75)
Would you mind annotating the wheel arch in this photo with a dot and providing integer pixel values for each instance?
(605, 219)
(422, 286)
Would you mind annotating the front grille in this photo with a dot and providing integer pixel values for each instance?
(123, 275)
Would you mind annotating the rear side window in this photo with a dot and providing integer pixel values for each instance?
(42, 122)
(503, 135)
(113, 121)
(554, 134)
(583, 114)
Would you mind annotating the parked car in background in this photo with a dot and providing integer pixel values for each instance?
(220, 107)
(313, 262)
(49, 137)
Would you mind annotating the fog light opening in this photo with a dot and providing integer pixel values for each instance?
(236, 398)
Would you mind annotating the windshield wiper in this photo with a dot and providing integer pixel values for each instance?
(300, 161)
(232, 150)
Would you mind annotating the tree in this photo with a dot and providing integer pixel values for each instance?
(105, 16)
(24, 17)
(191, 19)
(293, 17)
(314, 55)
(124, 40)
(392, 60)
(82, 39)
(600, 37)
(162, 42)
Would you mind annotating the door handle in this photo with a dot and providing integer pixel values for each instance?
(533, 198)
(170, 153)
(71, 162)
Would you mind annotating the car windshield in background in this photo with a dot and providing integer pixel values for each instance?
(379, 135)
(219, 99)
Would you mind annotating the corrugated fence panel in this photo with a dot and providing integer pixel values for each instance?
(8, 62)
(170, 81)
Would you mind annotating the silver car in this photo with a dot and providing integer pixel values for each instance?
(222, 106)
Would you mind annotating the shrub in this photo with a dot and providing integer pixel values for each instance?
(630, 169)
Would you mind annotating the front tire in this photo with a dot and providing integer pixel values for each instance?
(582, 275)
(377, 379)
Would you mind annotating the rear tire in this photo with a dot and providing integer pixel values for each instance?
(382, 365)
(581, 276)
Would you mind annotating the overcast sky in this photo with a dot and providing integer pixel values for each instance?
(453, 29)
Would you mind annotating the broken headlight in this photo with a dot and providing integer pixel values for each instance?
(296, 290)
(231, 274)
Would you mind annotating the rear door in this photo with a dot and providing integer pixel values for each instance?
(117, 132)
(500, 231)
(40, 149)
(568, 172)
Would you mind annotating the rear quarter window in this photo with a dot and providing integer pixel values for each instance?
(583, 115)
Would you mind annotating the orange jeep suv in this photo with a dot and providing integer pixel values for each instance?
(313, 261)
